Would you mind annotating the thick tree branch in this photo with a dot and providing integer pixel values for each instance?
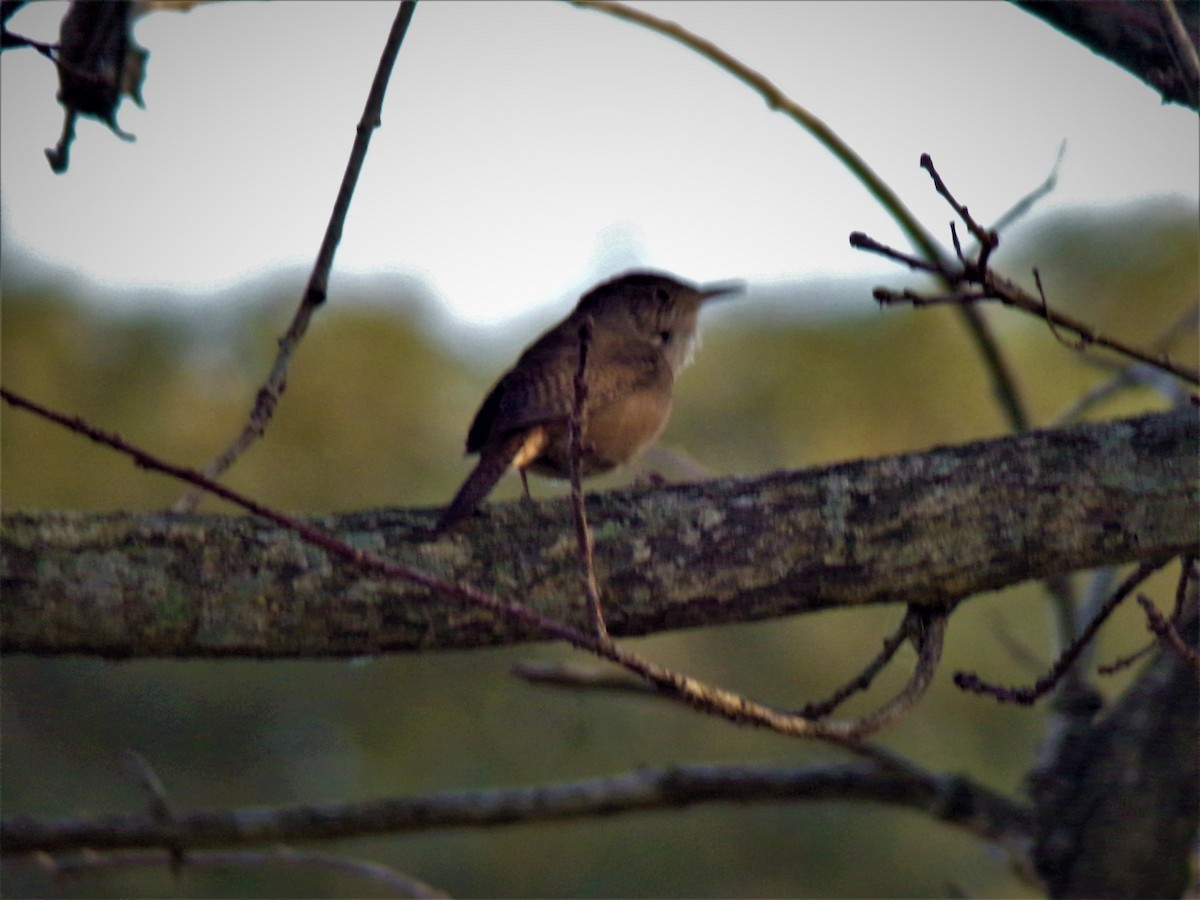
(923, 529)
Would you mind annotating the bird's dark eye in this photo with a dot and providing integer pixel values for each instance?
(665, 337)
(660, 294)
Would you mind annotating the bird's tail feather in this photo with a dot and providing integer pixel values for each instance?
(493, 463)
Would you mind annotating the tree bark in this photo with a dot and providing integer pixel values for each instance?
(1117, 806)
(1139, 37)
(923, 528)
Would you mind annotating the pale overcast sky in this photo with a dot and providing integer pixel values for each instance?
(529, 148)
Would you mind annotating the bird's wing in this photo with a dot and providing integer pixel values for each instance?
(541, 386)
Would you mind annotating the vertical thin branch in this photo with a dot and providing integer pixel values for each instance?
(587, 563)
(318, 281)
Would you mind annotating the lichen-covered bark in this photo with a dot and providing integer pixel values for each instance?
(922, 528)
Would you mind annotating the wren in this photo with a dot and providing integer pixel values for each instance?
(642, 331)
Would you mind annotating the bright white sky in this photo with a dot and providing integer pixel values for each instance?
(529, 149)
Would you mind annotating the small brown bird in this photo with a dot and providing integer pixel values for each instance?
(643, 331)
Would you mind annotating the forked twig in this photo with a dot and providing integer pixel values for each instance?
(927, 629)
(819, 709)
(318, 281)
(987, 240)
(1167, 632)
(987, 285)
(1025, 696)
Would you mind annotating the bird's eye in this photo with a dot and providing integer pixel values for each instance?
(660, 294)
(665, 337)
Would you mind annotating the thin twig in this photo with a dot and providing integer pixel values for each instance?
(925, 628)
(993, 287)
(1003, 382)
(318, 282)
(1132, 375)
(583, 534)
(819, 709)
(1167, 632)
(143, 773)
(1124, 662)
(12, 41)
(1077, 346)
(1025, 696)
(861, 241)
(1026, 203)
(988, 240)
(1187, 574)
(578, 676)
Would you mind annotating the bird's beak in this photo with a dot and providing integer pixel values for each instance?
(721, 289)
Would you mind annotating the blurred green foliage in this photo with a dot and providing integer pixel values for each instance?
(375, 412)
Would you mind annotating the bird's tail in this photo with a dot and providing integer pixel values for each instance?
(493, 463)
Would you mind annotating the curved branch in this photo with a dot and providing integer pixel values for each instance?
(1003, 383)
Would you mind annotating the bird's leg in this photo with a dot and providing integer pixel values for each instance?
(525, 484)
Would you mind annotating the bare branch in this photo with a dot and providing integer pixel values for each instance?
(821, 708)
(1168, 633)
(318, 281)
(1140, 373)
(927, 628)
(1026, 203)
(987, 240)
(991, 286)
(955, 800)
(1026, 696)
(579, 676)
